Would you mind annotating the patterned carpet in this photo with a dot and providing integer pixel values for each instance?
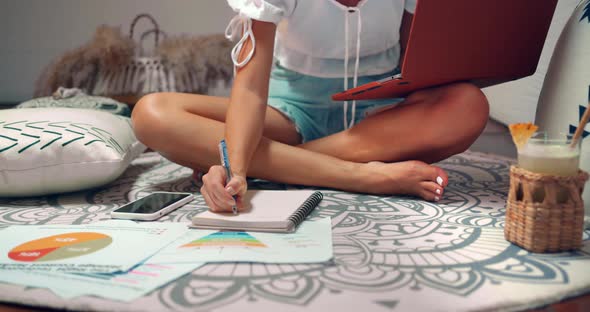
(390, 253)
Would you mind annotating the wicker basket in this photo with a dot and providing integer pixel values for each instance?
(545, 213)
(146, 73)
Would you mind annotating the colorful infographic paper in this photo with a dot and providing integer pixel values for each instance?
(103, 247)
(127, 286)
(311, 243)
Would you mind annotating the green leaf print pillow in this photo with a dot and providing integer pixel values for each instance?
(55, 150)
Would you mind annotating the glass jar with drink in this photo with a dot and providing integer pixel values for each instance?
(545, 211)
(551, 154)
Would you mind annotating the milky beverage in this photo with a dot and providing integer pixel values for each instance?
(554, 159)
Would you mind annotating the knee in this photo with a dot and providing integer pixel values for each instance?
(466, 103)
(464, 111)
(147, 117)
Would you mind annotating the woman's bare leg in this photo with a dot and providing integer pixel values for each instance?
(187, 128)
(429, 125)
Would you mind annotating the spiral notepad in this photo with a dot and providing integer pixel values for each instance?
(265, 211)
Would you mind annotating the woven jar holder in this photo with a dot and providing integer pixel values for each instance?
(545, 213)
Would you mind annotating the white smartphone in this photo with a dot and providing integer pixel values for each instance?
(152, 206)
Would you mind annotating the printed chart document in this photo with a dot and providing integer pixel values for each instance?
(311, 243)
(265, 211)
(102, 247)
(126, 286)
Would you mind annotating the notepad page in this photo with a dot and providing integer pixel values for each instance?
(264, 206)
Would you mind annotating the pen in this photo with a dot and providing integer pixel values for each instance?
(225, 164)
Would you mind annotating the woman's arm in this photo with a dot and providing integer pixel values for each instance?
(248, 100)
(404, 34)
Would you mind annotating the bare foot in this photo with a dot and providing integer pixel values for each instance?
(406, 178)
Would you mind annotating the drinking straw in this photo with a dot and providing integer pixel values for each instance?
(582, 124)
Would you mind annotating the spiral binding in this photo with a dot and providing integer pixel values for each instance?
(302, 212)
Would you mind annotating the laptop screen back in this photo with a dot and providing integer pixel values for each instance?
(458, 39)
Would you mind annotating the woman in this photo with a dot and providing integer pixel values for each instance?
(280, 123)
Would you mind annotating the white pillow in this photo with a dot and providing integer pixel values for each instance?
(55, 150)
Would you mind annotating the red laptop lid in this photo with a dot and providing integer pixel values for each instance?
(459, 40)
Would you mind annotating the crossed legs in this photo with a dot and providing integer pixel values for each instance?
(388, 153)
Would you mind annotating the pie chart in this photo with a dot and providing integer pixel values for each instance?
(59, 247)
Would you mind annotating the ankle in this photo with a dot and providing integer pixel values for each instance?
(369, 180)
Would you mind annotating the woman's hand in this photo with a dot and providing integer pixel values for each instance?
(220, 196)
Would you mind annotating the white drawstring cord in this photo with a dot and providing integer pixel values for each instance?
(244, 24)
(356, 63)
(345, 104)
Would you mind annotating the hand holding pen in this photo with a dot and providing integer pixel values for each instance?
(221, 189)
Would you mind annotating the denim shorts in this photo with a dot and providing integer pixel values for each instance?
(306, 101)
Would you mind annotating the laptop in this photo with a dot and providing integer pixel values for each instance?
(485, 42)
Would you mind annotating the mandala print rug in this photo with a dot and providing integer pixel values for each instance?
(391, 253)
